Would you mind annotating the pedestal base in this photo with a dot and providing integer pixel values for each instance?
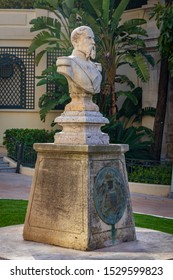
(81, 128)
(80, 197)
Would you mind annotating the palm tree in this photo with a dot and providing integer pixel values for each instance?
(54, 31)
(125, 128)
(117, 43)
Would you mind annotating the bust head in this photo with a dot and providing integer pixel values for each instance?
(82, 39)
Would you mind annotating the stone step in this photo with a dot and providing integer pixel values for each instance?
(2, 164)
(7, 169)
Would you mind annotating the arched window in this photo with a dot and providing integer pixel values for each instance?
(12, 82)
(17, 78)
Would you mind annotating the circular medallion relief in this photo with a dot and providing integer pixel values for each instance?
(110, 195)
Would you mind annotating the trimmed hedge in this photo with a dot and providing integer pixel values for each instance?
(17, 4)
(14, 137)
(28, 136)
(156, 174)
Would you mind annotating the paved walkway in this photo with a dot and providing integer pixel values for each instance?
(154, 205)
(17, 186)
(150, 245)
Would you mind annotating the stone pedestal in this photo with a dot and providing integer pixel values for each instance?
(80, 197)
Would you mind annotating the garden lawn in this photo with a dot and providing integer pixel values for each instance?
(152, 222)
(12, 212)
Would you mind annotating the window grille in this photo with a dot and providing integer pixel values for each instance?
(51, 61)
(17, 78)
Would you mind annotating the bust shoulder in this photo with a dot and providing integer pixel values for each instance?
(64, 60)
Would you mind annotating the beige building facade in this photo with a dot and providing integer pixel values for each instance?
(15, 38)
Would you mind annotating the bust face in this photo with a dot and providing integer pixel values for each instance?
(85, 43)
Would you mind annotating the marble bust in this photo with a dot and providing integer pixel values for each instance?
(81, 120)
(80, 71)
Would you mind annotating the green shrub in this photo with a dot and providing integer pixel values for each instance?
(16, 4)
(158, 174)
(28, 136)
(14, 137)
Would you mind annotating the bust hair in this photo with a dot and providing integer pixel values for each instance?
(77, 32)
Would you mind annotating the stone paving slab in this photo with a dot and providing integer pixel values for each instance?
(150, 245)
(152, 205)
(15, 186)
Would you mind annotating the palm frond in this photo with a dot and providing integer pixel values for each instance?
(46, 103)
(136, 42)
(47, 4)
(118, 13)
(40, 39)
(148, 111)
(139, 64)
(148, 57)
(87, 18)
(95, 7)
(123, 79)
(130, 136)
(44, 22)
(68, 5)
(137, 30)
(130, 24)
(127, 94)
(39, 56)
(148, 132)
(105, 11)
(128, 108)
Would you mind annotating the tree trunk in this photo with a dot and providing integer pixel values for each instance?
(160, 109)
(161, 105)
(113, 97)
